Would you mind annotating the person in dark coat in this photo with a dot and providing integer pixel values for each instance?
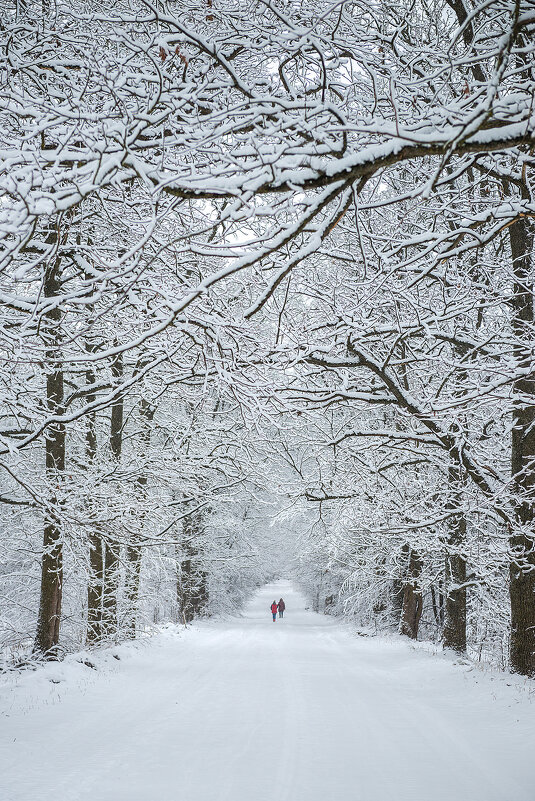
(274, 606)
(282, 607)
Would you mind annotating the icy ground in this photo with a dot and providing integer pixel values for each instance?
(248, 710)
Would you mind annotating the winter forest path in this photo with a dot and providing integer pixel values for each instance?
(249, 710)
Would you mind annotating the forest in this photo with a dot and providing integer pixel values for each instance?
(267, 309)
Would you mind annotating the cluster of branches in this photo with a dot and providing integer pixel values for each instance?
(415, 324)
(327, 206)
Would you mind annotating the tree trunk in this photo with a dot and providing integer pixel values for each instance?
(182, 605)
(134, 552)
(111, 549)
(398, 587)
(412, 599)
(96, 554)
(455, 607)
(192, 590)
(454, 635)
(522, 567)
(133, 576)
(408, 593)
(437, 599)
(95, 594)
(49, 617)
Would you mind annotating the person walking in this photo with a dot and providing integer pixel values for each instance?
(274, 606)
(282, 607)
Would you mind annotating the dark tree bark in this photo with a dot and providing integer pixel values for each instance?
(455, 605)
(111, 548)
(96, 552)
(133, 576)
(522, 567)
(134, 552)
(49, 616)
(95, 585)
(437, 599)
(454, 632)
(412, 598)
(192, 589)
(454, 635)
(398, 587)
(465, 23)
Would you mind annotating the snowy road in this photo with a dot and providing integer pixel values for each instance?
(248, 710)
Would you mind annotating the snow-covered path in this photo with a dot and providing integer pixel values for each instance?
(248, 710)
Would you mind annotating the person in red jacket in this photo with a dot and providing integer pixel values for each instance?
(274, 606)
(282, 607)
